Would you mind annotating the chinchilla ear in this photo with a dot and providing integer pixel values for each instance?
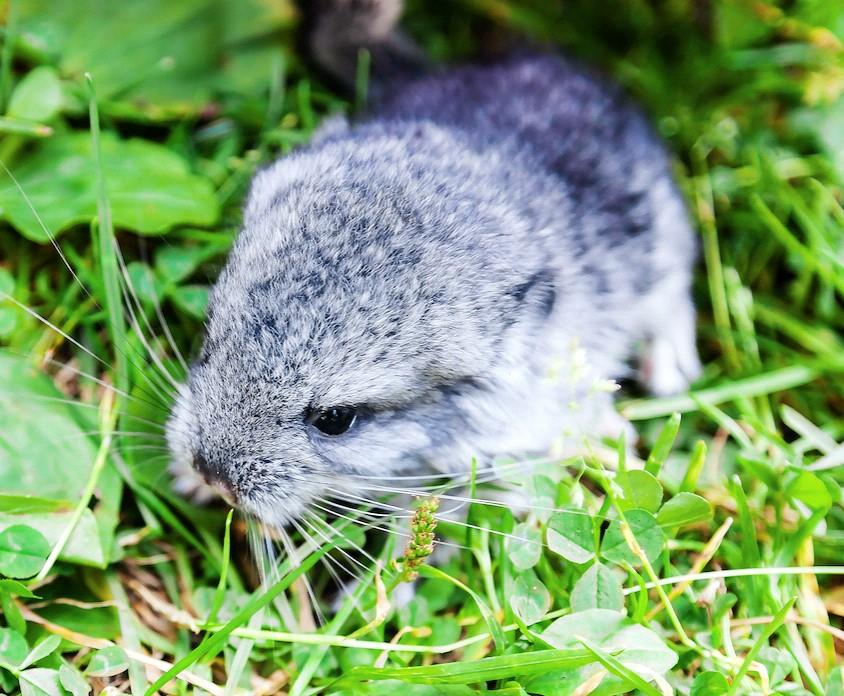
(535, 296)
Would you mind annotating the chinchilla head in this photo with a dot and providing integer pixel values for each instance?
(367, 322)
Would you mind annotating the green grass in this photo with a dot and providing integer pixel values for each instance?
(722, 544)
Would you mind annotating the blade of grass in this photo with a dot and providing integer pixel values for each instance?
(257, 602)
(769, 382)
(619, 669)
(761, 641)
(485, 669)
(106, 246)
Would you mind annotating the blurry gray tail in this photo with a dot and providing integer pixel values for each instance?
(336, 33)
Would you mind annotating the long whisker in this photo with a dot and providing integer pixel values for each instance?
(64, 260)
(346, 539)
(164, 325)
(130, 295)
(76, 404)
(47, 231)
(304, 578)
(462, 499)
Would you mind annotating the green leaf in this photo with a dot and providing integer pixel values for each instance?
(778, 662)
(21, 504)
(834, 687)
(107, 662)
(143, 283)
(597, 588)
(628, 642)
(38, 96)
(177, 263)
(98, 622)
(524, 546)
(641, 490)
(7, 282)
(570, 535)
(193, 299)
(619, 669)
(645, 529)
(530, 599)
(710, 684)
(23, 551)
(73, 681)
(8, 321)
(85, 544)
(13, 587)
(541, 493)
(41, 650)
(12, 613)
(170, 56)
(809, 489)
(40, 682)
(39, 427)
(662, 446)
(682, 509)
(149, 186)
(13, 647)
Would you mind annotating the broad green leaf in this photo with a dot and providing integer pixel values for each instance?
(835, 685)
(40, 681)
(38, 96)
(641, 490)
(173, 264)
(107, 662)
(8, 312)
(645, 529)
(156, 59)
(41, 650)
(524, 546)
(19, 504)
(530, 599)
(39, 427)
(778, 662)
(810, 490)
(143, 284)
(23, 551)
(84, 546)
(570, 535)
(8, 321)
(73, 682)
(542, 494)
(17, 589)
(682, 509)
(710, 684)
(149, 186)
(7, 283)
(620, 670)
(629, 642)
(13, 647)
(99, 622)
(597, 588)
(193, 299)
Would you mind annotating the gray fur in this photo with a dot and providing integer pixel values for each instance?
(445, 264)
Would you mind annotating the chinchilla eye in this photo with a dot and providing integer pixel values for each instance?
(335, 420)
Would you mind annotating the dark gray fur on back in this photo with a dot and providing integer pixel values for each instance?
(441, 265)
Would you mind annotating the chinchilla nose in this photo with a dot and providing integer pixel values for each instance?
(213, 478)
